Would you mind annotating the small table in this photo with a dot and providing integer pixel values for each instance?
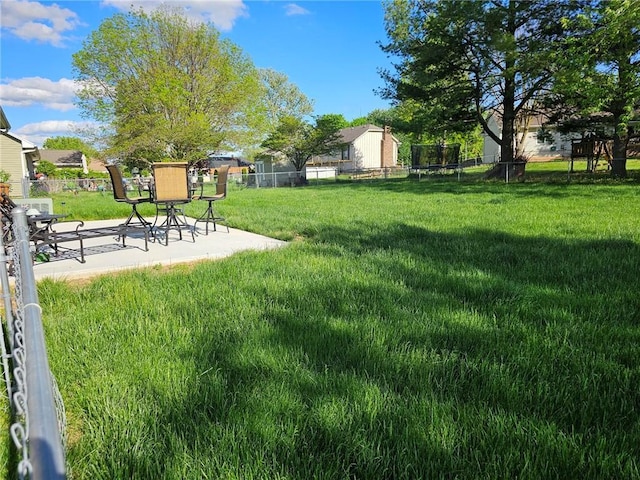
(43, 221)
(175, 218)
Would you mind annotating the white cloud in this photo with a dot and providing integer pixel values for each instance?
(222, 13)
(38, 132)
(35, 21)
(30, 91)
(293, 9)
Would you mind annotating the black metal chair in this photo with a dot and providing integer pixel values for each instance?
(120, 195)
(6, 218)
(209, 215)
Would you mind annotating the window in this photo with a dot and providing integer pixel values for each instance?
(345, 152)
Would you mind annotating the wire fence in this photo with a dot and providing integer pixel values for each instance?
(511, 171)
(48, 186)
(274, 179)
(38, 415)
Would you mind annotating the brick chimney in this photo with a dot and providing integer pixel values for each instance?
(386, 157)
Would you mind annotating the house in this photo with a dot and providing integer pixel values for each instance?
(539, 140)
(490, 148)
(235, 164)
(17, 158)
(544, 142)
(65, 158)
(363, 147)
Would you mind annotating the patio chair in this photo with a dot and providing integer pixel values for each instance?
(6, 206)
(221, 194)
(120, 195)
(170, 192)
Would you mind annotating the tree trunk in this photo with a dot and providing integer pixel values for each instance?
(619, 161)
(508, 101)
(621, 135)
(507, 172)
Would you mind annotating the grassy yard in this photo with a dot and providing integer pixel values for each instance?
(412, 329)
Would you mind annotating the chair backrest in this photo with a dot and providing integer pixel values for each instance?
(6, 207)
(221, 183)
(119, 192)
(171, 182)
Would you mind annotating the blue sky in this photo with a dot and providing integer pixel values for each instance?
(327, 48)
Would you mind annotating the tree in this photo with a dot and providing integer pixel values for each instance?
(47, 168)
(166, 87)
(461, 62)
(282, 98)
(599, 84)
(69, 143)
(299, 140)
(332, 121)
(279, 98)
(359, 121)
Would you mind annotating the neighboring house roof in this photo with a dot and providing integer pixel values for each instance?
(27, 146)
(216, 161)
(351, 134)
(4, 123)
(64, 158)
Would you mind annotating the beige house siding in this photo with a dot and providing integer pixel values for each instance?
(367, 151)
(12, 161)
(558, 146)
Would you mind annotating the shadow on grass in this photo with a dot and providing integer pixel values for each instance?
(538, 184)
(416, 354)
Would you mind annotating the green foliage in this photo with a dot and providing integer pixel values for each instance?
(333, 121)
(461, 61)
(47, 168)
(4, 176)
(282, 98)
(166, 86)
(601, 73)
(71, 173)
(70, 143)
(357, 122)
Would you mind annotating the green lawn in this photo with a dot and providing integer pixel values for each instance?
(413, 329)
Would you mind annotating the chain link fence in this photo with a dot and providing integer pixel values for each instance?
(38, 416)
(49, 186)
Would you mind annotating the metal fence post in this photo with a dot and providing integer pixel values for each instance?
(44, 439)
(8, 315)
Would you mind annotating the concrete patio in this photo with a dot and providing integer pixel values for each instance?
(104, 255)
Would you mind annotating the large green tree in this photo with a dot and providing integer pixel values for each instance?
(166, 87)
(279, 98)
(282, 98)
(461, 62)
(598, 86)
(299, 140)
